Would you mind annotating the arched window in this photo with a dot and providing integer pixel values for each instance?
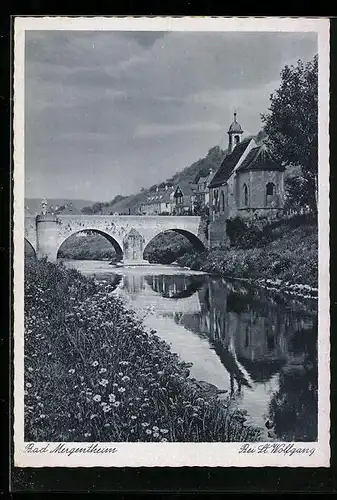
(245, 195)
(270, 189)
(222, 201)
(237, 139)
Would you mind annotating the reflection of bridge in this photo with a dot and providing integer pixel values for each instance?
(129, 234)
(144, 297)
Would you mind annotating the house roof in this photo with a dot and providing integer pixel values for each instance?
(259, 159)
(157, 197)
(186, 188)
(206, 179)
(228, 164)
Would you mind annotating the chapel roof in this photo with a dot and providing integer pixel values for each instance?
(259, 158)
(235, 127)
(228, 164)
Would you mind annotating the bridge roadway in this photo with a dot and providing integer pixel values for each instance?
(129, 234)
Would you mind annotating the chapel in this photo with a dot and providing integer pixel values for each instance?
(248, 183)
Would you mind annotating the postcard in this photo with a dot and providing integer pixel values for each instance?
(171, 242)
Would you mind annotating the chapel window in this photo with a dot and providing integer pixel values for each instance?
(245, 195)
(270, 189)
(222, 201)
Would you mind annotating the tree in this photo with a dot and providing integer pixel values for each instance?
(292, 123)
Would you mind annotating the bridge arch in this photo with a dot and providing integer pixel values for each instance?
(192, 238)
(168, 254)
(114, 243)
(29, 249)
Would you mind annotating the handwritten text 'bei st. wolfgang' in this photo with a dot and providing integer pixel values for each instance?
(289, 449)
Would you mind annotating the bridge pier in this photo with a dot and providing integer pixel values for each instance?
(46, 236)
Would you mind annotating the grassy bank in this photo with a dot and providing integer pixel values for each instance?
(289, 255)
(92, 373)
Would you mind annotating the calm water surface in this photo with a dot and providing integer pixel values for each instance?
(260, 346)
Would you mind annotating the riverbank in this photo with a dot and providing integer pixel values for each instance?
(92, 372)
(288, 262)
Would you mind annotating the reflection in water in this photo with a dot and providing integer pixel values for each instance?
(260, 346)
(263, 340)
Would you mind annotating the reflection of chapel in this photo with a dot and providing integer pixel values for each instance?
(248, 183)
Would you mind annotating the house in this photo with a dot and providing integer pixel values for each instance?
(184, 198)
(158, 202)
(202, 191)
(249, 183)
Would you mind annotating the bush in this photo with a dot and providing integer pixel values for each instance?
(291, 254)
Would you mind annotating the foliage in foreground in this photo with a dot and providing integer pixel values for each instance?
(93, 374)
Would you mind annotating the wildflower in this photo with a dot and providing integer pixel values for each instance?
(125, 378)
(30, 369)
(102, 370)
(106, 425)
(116, 404)
(180, 420)
(195, 415)
(155, 428)
(104, 382)
(97, 398)
(95, 363)
(94, 415)
(121, 389)
(103, 403)
(120, 374)
(112, 398)
(114, 384)
(71, 371)
(106, 408)
(42, 415)
(164, 431)
(144, 424)
(87, 434)
(148, 431)
(156, 434)
(163, 440)
(28, 384)
(133, 417)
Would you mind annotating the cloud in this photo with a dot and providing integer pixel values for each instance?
(121, 110)
(157, 129)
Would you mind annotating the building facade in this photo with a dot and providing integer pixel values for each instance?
(249, 183)
(202, 190)
(158, 202)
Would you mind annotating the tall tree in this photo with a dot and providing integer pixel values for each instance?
(292, 123)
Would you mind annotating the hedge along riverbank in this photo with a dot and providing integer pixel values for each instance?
(288, 261)
(92, 372)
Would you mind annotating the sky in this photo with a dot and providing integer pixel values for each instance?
(108, 113)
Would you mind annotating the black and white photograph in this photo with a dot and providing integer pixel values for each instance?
(171, 275)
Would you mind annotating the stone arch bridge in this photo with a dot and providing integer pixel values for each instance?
(129, 234)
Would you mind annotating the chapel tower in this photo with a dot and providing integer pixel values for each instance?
(234, 135)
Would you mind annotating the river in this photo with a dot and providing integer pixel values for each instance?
(259, 346)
